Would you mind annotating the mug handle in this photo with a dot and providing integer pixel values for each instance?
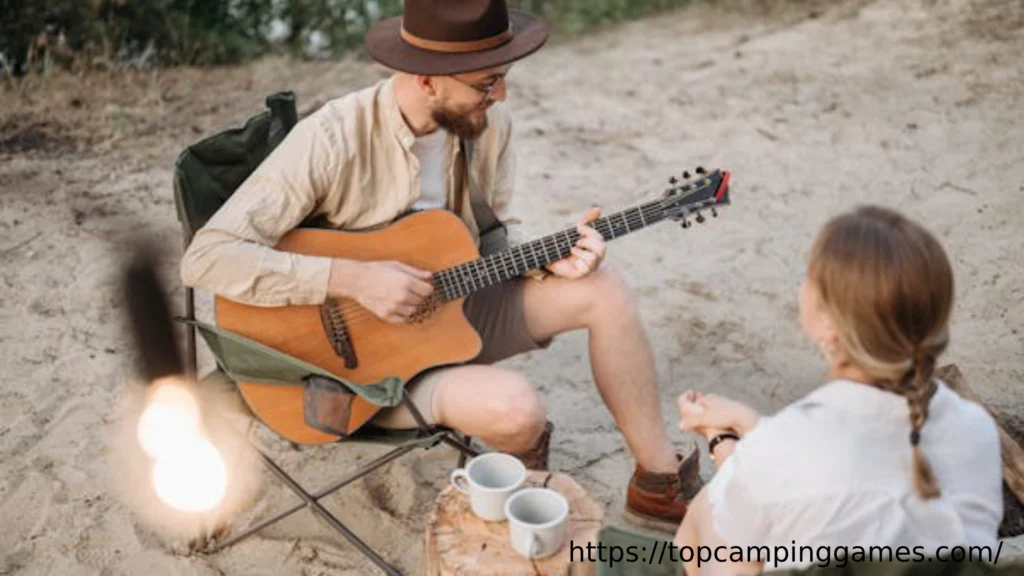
(532, 544)
(457, 475)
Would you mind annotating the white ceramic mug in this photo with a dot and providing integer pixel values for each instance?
(489, 480)
(537, 519)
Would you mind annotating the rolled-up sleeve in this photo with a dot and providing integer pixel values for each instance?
(233, 255)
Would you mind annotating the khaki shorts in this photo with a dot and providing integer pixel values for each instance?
(499, 317)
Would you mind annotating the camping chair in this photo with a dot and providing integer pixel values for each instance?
(205, 175)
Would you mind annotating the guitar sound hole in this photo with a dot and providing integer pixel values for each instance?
(425, 311)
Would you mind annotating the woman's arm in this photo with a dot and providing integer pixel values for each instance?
(698, 531)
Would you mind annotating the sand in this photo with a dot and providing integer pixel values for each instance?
(918, 105)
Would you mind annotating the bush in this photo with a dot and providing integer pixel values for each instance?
(38, 34)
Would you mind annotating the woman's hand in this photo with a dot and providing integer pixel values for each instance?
(711, 414)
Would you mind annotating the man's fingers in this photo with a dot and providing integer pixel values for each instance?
(417, 272)
(585, 260)
(402, 311)
(421, 289)
(594, 245)
(590, 215)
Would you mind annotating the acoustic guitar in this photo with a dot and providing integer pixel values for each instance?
(349, 341)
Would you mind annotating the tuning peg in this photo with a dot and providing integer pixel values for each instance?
(700, 218)
(701, 170)
(672, 180)
(686, 175)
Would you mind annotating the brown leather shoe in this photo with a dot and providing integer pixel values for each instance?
(659, 501)
(536, 458)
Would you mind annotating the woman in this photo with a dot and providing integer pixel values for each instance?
(882, 454)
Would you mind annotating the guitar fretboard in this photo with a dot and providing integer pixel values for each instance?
(464, 279)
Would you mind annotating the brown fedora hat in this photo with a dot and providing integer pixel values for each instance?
(440, 37)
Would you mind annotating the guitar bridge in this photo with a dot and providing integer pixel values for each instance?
(333, 321)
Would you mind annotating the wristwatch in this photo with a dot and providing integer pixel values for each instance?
(717, 439)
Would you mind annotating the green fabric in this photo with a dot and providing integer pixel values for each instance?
(245, 360)
(208, 172)
(397, 438)
(647, 552)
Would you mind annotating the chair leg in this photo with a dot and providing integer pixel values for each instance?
(467, 440)
(331, 520)
(191, 362)
(311, 500)
(456, 442)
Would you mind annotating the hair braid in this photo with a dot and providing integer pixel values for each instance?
(921, 387)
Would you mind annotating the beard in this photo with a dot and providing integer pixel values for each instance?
(467, 125)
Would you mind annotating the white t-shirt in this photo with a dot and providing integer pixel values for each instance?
(430, 149)
(834, 469)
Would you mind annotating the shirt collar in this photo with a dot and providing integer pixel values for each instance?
(393, 115)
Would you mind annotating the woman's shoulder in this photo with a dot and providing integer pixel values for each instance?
(956, 422)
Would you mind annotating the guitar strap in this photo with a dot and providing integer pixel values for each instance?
(493, 233)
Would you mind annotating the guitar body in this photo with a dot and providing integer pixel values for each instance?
(431, 240)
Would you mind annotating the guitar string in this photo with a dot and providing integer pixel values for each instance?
(354, 313)
(477, 274)
(473, 276)
(483, 272)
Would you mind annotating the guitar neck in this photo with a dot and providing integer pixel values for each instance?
(464, 279)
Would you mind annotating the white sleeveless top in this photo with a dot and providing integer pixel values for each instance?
(834, 469)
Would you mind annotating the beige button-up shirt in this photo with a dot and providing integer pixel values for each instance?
(350, 162)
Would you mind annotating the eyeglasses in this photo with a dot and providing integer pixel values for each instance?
(484, 91)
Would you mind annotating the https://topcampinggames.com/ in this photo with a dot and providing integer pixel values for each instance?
(823, 556)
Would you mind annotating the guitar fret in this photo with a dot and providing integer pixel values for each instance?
(478, 274)
(492, 273)
(536, 261)
(520, 255)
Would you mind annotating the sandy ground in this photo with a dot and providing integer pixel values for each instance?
(916, 105)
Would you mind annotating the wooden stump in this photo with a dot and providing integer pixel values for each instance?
(457, 542)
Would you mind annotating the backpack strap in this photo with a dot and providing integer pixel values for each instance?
(493, 233)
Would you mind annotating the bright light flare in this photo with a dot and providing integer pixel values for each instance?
(189, 473)
(170, 413)
(193, 478)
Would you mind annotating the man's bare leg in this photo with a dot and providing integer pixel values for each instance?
(621, 357)
(495, 405)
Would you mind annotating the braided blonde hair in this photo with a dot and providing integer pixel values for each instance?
(887, 286)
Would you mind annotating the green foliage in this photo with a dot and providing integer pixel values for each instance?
(37, 34)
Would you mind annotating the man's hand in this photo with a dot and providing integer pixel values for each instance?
(588, 252)
(391, 290)
(709, 414)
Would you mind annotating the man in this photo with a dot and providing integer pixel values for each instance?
(366, 159)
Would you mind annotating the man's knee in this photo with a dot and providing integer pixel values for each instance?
(608, 291)
(519, 412)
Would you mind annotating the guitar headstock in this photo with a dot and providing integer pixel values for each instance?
(694, 193)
